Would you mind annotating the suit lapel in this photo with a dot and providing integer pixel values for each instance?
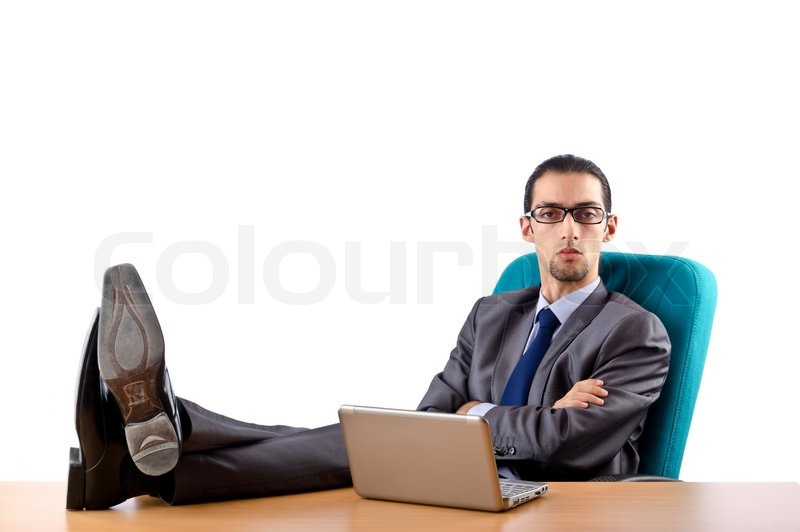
(576, 323)
(519, 323)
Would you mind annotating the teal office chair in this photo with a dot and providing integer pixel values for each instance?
(683, 294)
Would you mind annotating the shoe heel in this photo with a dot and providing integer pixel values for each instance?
(153, 445)
(76, 481)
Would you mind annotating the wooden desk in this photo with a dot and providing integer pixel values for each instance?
(593, 506)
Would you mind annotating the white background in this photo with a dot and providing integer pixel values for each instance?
(244, 128)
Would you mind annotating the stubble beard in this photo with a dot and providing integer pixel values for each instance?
(569, 275)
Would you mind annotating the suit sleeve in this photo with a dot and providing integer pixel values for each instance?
(448, 390)
(632, 360)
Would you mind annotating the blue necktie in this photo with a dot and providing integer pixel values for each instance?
(519, 384)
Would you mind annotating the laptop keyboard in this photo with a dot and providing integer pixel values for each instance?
(509, 488)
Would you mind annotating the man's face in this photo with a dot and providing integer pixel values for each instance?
(568, 252)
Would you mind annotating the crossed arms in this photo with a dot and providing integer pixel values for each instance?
(590, 404)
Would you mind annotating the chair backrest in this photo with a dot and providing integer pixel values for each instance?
(683, 294)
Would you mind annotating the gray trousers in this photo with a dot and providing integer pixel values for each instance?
(224, 458)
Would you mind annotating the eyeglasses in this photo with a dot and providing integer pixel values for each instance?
(554, 215)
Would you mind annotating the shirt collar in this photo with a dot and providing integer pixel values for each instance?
(565, 306)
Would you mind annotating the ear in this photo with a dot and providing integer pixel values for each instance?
(611, 228)
(527, 230)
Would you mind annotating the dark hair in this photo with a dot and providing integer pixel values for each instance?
(564, 164)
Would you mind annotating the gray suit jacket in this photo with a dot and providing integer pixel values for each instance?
(608, 337)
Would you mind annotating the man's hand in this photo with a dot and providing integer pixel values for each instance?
(465, 408)
(583, 394)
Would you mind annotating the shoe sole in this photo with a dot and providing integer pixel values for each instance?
(131, 361)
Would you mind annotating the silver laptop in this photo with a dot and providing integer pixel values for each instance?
(428, 458)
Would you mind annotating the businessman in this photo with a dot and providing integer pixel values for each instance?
(564, 373)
